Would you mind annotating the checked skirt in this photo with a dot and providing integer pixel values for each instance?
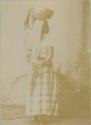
(45, 97)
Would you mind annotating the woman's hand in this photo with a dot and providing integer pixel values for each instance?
(50, 54)
(43, 61)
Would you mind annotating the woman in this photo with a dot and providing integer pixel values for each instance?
(43, 90)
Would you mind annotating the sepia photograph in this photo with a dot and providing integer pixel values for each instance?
(45, 62)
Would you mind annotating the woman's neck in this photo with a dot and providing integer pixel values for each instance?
(43, 36)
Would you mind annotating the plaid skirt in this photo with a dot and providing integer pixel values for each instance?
(44, 99)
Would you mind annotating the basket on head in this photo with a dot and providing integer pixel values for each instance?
(42, 13)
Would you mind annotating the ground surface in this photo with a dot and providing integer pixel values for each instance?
(64, 122)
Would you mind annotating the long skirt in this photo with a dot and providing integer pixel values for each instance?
(44, 98)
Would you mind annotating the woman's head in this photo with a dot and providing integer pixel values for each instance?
(38, 14)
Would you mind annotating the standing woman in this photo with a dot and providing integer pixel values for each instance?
(42, 101)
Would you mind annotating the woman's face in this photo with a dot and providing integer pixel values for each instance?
(45, 29)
